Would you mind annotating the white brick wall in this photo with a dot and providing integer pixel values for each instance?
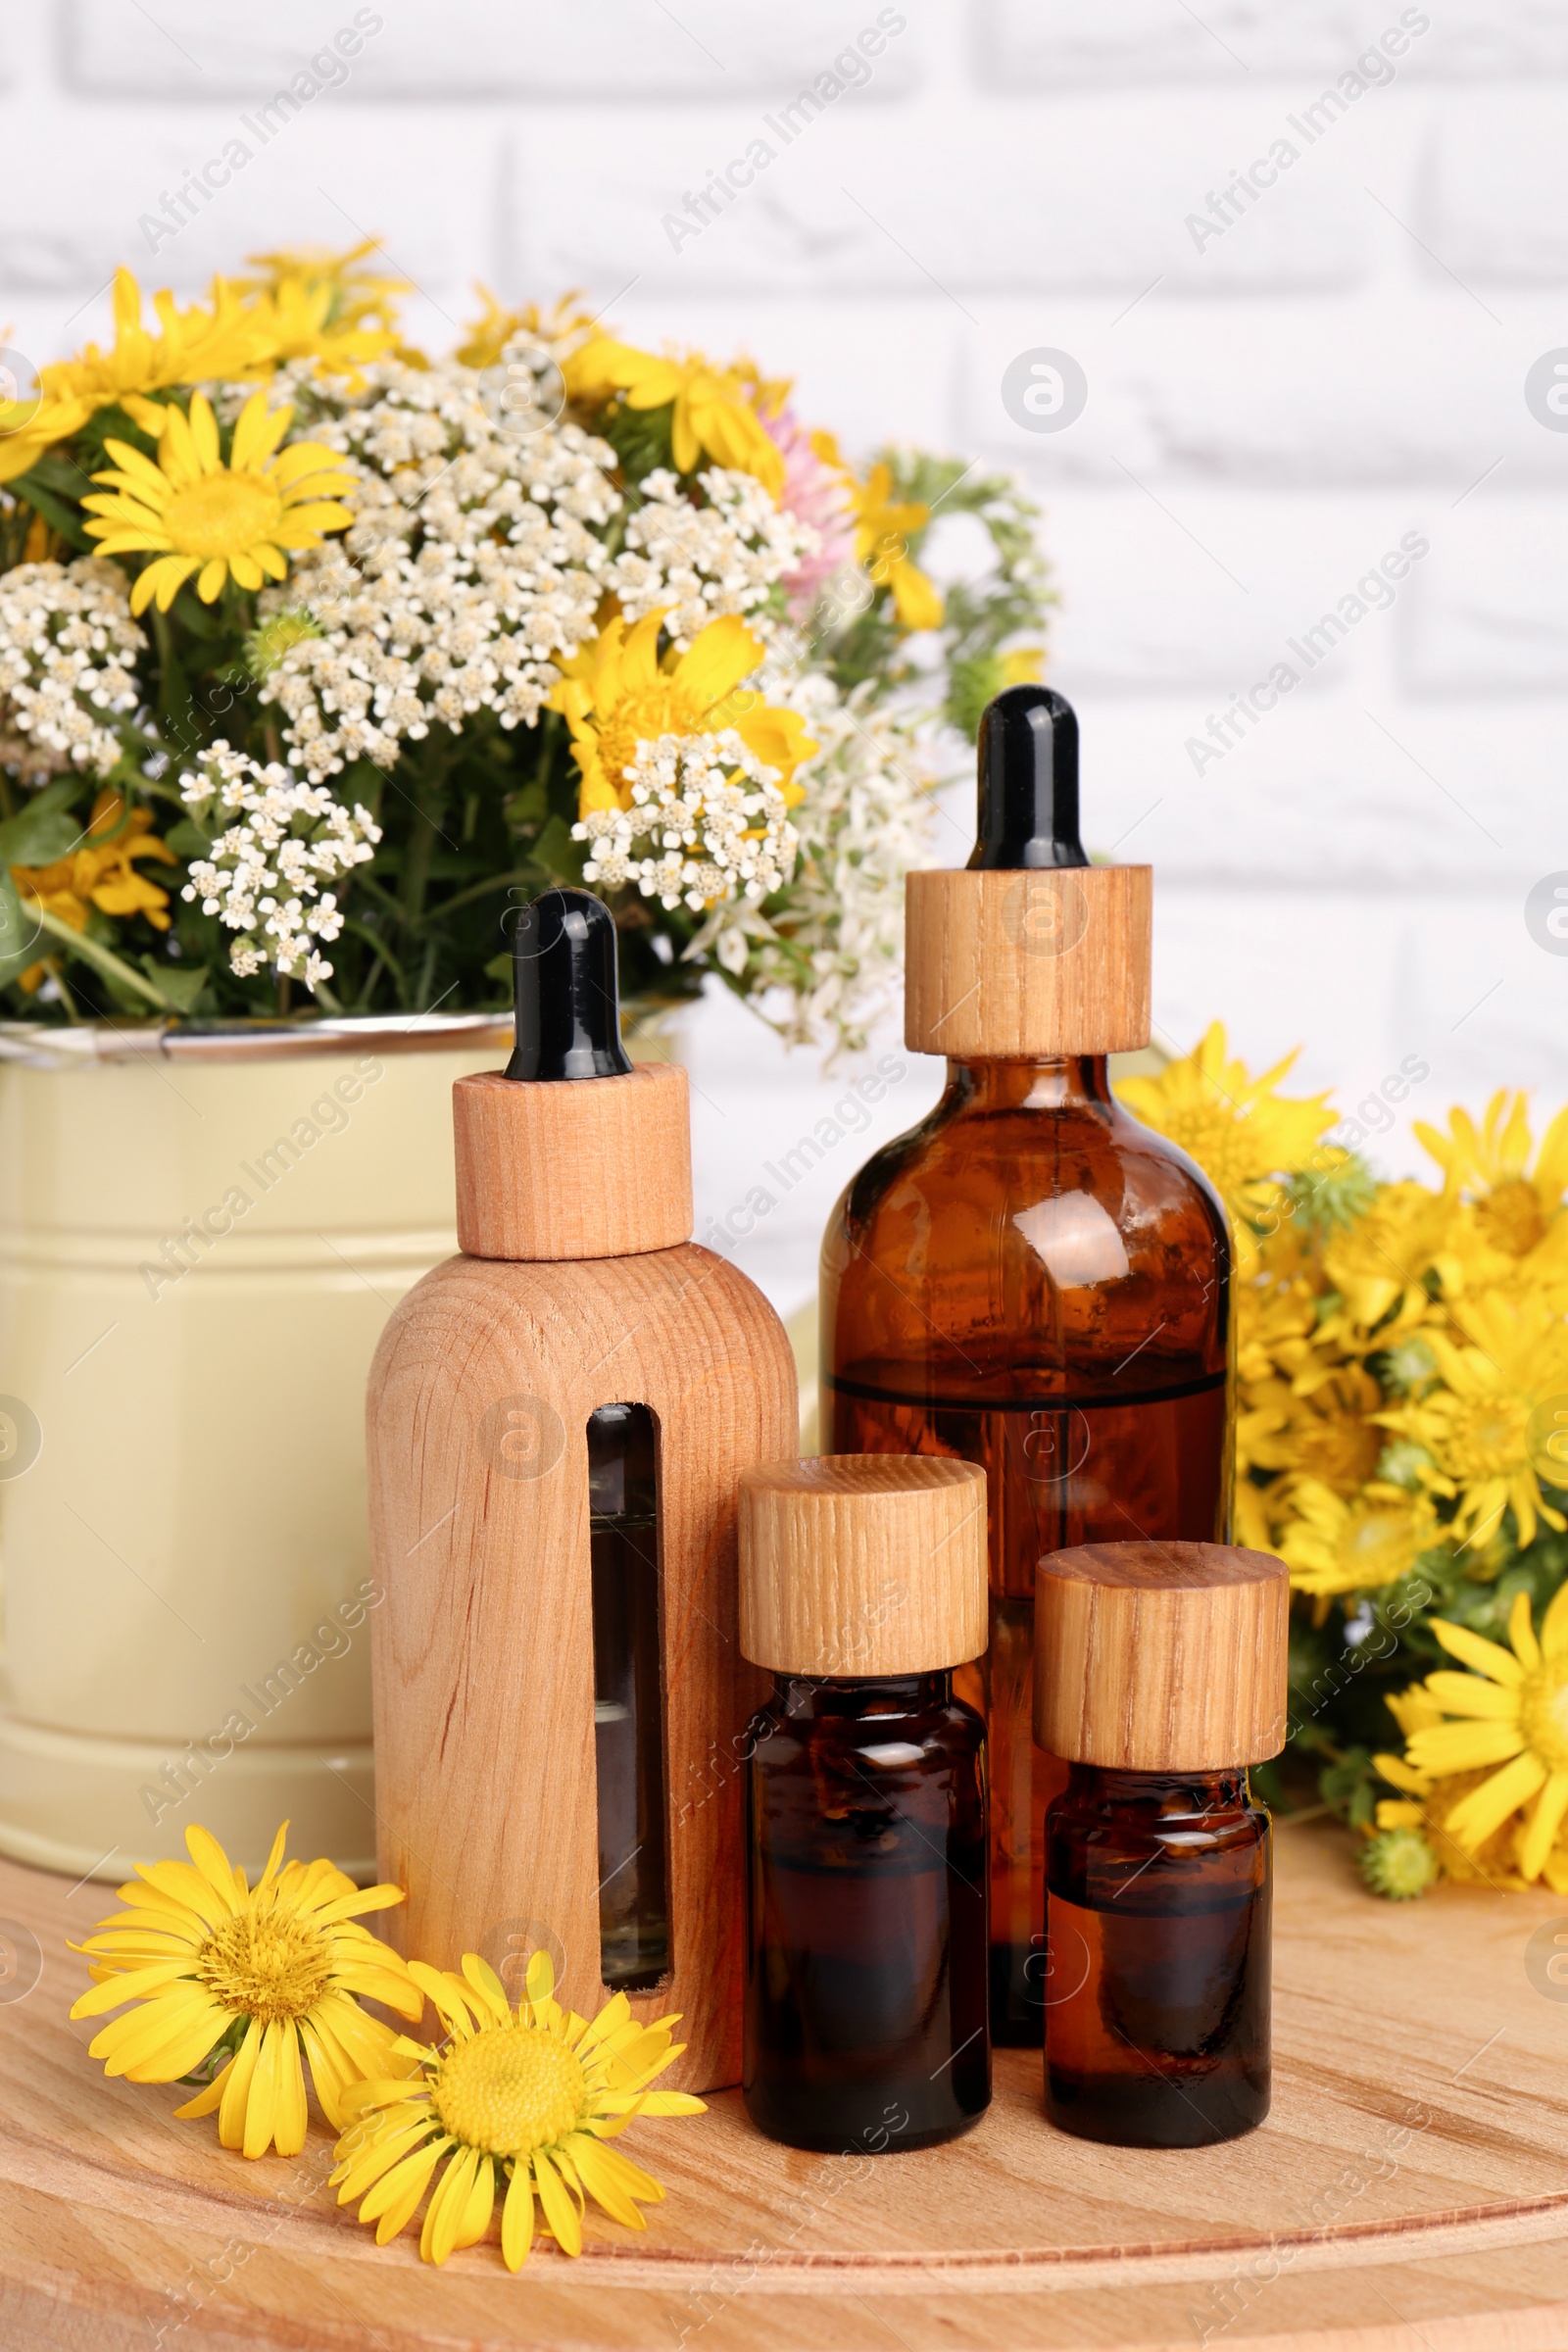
(1270, 408)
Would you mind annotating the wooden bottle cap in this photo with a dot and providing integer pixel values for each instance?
(1009, 964)
(1161, 1658)
(598, 1167)
(862, 1564)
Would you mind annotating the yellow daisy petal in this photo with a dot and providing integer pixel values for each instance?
(445, 2208)
(560, 2215)
(1544, 1821)
(1471, 1695)
(516, 2219)
(1474, 1818)
(1449, 1748)
(237, 2088)
(391, 2203)
(1522, 1634)
(204, 433)
(1487, 1657)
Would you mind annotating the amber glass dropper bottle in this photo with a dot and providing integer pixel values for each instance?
(1029, 1279)
(1160, 1676)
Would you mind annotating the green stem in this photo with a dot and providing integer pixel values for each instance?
(104, 959)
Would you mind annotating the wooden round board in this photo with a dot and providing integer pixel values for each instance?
(1409, 2190)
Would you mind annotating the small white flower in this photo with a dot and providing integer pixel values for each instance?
(291, 837)
(713, 811)
(67, 650)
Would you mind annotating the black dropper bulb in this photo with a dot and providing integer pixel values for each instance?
(1028, 781)
(568, 1001)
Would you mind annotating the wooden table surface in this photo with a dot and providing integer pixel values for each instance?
(1409, 2190)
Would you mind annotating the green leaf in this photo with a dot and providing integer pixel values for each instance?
(65, 518)
(558, 854)
(187, 840)
(45, 829)
(180, 987)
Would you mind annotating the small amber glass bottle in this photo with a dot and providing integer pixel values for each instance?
(863, 1583)
(1029, 1279)
(1161, 1674)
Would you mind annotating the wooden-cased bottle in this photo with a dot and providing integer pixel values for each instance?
(1029, 1279)
(557, 1421)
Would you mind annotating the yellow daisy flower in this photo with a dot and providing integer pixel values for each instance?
(270, 1974)
(1327, 1434)
(714, 411)
(883, 525)
(1491, 1426)
(1339, 1545)
(1242, 1134)
(193, 346)
(317, 304)
(615, 694)
(1511, 1722)
(521, 2103)
(99, 873)
(494, 328)
(1490, 1166)
(198, 514)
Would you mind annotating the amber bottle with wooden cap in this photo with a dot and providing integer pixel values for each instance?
(862, 1586)
(1160, 1676)
(557, 1419)
(1029, 1279)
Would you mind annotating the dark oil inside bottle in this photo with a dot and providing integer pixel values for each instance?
(628, 1702)
(865, 1992)
(1157, 1938)
(1032, 1281)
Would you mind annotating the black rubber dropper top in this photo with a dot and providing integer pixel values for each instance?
(568, 1001)
(1028, 781)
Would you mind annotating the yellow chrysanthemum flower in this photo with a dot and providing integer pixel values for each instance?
(1494, 1423)
(198, 514)
(615, 694)
(314, 303)
(713, 406)
(1243, 1134)
(523, 2102)
(1328, 1435)
(194, 346)
(273, 1974)
(1377, 1265)
(1515, 1205)
(99, 873)
(1339, 1545)
(883, 525)
(490, 333)
(1511, 1722)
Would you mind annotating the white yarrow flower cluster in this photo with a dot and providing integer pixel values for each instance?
(68, 650)
(708, 824)
(265, 872)
(473, 562)
(864, 822)
(699, 562)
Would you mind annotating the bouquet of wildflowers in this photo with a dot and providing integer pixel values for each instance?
(1402, 1444)
(318, 655)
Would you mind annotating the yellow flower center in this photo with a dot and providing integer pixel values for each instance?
(639, 716)
(268, 1968)
(1342, 1454)
(1544, 1717)
(1379, 1546)
(1511, 1217)
(222, 514)
(1486, 1437)
(510, 2089)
